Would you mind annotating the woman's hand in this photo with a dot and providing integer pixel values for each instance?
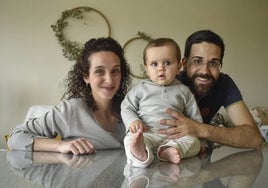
(78, 146)
(181, 125)
(75, 161)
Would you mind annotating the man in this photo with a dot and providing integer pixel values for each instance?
(202, 62)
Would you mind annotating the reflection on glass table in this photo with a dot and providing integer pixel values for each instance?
(242, 169)
(225, 167)
(66, 170)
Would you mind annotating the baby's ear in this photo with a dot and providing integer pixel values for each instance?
(145, 70)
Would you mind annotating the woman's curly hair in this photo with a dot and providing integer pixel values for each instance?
(77, 88)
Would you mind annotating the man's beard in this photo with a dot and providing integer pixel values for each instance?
(203, 89)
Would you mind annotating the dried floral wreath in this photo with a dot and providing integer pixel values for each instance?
(72, 49)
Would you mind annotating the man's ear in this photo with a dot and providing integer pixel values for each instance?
(183, 64)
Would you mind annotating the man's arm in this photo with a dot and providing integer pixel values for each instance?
(246, 130)
(244, 134)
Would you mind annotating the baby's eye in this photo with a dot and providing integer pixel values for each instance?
(153, 64)
(167, 63)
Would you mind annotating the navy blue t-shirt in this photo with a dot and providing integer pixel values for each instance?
(224, 93)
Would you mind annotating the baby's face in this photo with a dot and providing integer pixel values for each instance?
(162, 65)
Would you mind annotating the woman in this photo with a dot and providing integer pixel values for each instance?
(89, 118)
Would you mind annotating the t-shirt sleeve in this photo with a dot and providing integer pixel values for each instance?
(232, 92)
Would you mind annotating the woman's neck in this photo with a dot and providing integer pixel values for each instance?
(104, 107)
(105, 116)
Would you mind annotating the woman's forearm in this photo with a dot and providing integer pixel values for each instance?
(46, 144)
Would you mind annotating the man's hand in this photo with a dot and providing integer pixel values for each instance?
(181, 125)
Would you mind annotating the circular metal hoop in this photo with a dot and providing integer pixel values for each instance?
(141, 36)
(72, 49)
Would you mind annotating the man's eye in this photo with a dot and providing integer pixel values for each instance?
(214, 64)
(197, 62)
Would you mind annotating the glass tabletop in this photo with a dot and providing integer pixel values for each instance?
(225, 167)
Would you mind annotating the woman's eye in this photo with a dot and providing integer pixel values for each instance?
(99, 72)
(116, 72)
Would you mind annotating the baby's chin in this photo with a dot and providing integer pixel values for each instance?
(164, 83)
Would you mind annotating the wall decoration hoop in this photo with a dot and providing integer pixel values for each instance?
(72, 49)
(141, 36)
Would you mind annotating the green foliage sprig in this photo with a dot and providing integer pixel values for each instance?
(144, 36)
(72, 49)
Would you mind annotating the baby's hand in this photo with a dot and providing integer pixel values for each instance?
(136, 126)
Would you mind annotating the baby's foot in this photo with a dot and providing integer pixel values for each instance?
(139, 182)
(170, 154)
(170, 170)
(137, 147)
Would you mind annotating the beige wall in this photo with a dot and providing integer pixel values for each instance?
(32, 65)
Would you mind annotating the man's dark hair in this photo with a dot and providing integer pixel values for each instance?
(203, 36)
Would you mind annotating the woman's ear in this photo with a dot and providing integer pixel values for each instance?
(86, 79)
